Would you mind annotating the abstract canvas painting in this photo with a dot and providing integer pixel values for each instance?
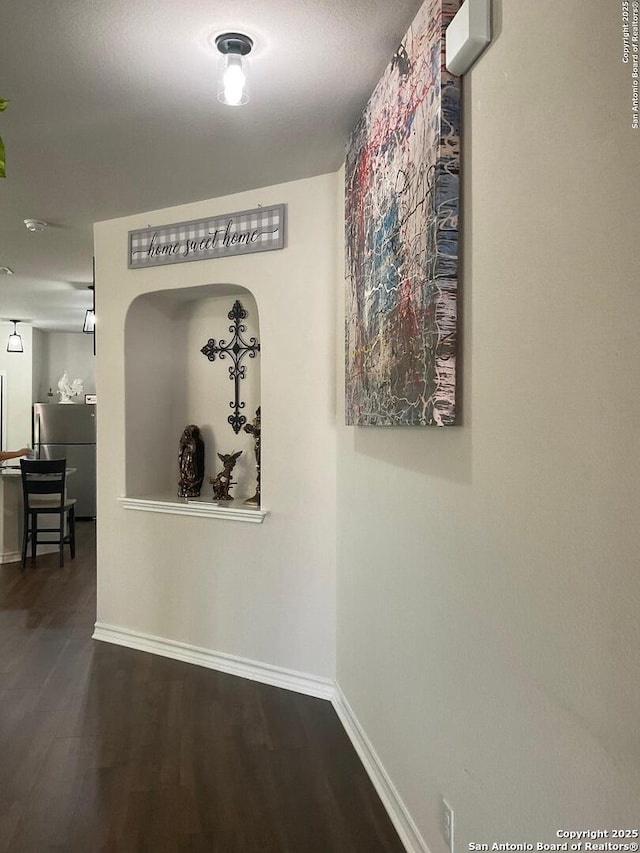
(402, 171)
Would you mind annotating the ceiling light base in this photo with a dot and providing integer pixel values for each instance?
(234, 43)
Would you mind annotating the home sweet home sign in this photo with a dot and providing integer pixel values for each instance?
(259, 230)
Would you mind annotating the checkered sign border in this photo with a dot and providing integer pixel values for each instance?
(259, 230)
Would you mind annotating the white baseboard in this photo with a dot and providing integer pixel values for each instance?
(391, 800)
(16, 556)
(276, 676)
(11, 557)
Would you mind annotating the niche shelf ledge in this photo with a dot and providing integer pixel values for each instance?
(201, 507)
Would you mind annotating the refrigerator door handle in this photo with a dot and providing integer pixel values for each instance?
(35, 438)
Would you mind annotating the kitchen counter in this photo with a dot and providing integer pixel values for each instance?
(10, 471)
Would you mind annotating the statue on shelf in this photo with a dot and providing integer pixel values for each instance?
(254, 430)
(223, 481)
(67, 389)
(191, 458)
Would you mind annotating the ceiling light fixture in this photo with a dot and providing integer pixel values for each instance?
(14, 344)
(89, 325)
(6, 271)
(232, 73)
(35, 224)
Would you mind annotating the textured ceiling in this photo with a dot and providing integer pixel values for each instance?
(113, 111)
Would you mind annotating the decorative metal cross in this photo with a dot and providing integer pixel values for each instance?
(236, 349)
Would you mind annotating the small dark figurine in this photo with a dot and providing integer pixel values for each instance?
(254, 429)
(222, 482)
(191, 458)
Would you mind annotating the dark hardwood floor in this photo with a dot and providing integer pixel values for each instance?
(108, 749)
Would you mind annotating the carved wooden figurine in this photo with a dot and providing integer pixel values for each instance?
(222, 482)
(254, 429)
(191, 458)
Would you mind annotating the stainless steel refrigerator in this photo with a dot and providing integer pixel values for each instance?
(68, 431)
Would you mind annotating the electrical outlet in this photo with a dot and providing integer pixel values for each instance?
(446, 823)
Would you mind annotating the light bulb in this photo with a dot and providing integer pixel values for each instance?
(89, 322)
(234, 81)
(14, 344)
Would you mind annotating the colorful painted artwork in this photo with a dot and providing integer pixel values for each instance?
(402, 170)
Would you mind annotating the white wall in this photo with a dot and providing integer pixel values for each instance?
(29, 374)
(18, 370)
(488, 574)
(264, 592)
(154, 395)
(55, 352)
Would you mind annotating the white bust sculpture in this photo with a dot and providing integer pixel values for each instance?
(67, 389)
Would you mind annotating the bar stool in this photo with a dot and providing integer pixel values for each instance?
(43, 490)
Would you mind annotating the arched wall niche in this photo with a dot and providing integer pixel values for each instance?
(169, 383)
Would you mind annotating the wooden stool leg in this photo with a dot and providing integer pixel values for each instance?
(72, 531)
(34, 534)
(61, 540)
(25, 538)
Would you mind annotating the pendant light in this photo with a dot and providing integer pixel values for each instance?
(232, 74)
(14, 344)
(89, 325)
(90, 317)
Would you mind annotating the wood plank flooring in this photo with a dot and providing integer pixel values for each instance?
(109, 749)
